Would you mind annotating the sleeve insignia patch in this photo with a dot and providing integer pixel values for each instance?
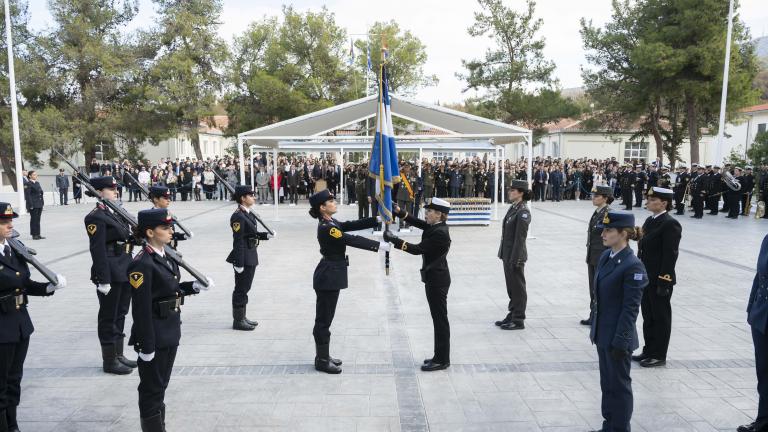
(91, 229)
(638, 276)
(136, 279)
(335, 233)
(236, 226)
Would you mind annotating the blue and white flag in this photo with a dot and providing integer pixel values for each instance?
(351, 60)
(368, 51)
(383, 167)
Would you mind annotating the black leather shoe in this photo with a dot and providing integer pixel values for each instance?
(639, 357)
(427, 361)
(432, 366)
(586, 322)
(37, 237)
(652, 362)
(253, 323)
(747, 428)
(506, 320)
(120, 357)
(239, 322)
(323, 362)
(513, 325)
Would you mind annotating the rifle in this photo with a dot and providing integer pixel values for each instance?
(231, 190)
(28, 255)
(128, 218)
(143, 189)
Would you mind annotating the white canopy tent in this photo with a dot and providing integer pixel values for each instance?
(315, 132)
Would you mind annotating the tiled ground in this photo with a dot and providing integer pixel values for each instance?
(541, 379)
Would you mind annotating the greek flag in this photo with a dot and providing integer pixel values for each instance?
(383, 167)
(368, 51)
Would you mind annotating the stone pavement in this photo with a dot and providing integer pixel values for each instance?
(544, 378)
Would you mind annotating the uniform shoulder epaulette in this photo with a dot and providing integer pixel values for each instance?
(101, 206)
(139, 255)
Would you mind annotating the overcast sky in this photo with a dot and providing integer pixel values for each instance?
(441, 25)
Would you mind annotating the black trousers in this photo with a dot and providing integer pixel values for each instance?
(294, 194)
(12, 356)
(712, 202)
(34, 221)
(732, 203)
(760, 341)
(638, 197)
(63, 195)
(698, 205)
(591, 270)
(325, 309)
(657, 322)
(679, 204)
(437, 298)
(154, 377)
(362, 208)
(518, 296)
(626, 198)
(113, 308)
(616, 387)
(243, 281)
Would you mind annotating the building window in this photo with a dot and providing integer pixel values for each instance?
(635, 151)
(556, 149)
(761, 128)
(442, 155)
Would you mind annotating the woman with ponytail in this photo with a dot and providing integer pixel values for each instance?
(619, 283)
(513, 254)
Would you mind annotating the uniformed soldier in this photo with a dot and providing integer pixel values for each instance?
(640, 179)
(244, 256)
(714, 190)
(361, 191)
(757, 317)
(15, 323)
(732, 197)
(330, 275)
(161, 199)
(699, 192)
(157, 298)
(658, 249)
(513, 254)
(627, 186)
(110, 247)
(404, 198)
(602, 197)
(747, 188)
(434, 247)
(665, 180)
(619, 284)
(681, 185)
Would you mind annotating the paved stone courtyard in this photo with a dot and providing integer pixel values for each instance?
(544, 378)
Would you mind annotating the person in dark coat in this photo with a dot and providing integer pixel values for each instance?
(619, 283)
(15, 323)
(658, 249)
(33, 195)
(757, 317)
(157, 297)
(244, 256)
(62, 184)
(640, 179)
(330, 275)
(682, 180)
(434, 247)
(110, 247)
(513, 254)
(747, 187)
(602, 197)
(698, 192)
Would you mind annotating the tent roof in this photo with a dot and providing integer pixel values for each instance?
(455, 124)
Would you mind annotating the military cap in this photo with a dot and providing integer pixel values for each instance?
(154, 217)
(617, 219)
(106, 182)
(159, 192)
(440, 205)
(241, 191)
(519, 184)
(6, 211)
(320, 197)
(716, 167)
(603, 190)
(748, 167)
(661, 193)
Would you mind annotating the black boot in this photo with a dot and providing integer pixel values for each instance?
(239, 322)
(152, 424)
(111, 364)
(245, 311)
(323, 361)
(119, 351)
(10, 415)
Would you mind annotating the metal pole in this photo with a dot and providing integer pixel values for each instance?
(724, 97)
(240, 150)
(22, 208)
(341, 190)
(502, 159)
(496, 184)
(274, 180)
(529, 169)
(250, 168)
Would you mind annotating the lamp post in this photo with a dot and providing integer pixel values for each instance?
(724, 96)
(22, 209)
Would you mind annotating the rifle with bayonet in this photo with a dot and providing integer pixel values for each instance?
(28, 254)
(128, 219)
(143, 189)
(231, 190)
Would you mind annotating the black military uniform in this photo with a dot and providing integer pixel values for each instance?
(244, 256)
(699, 192)
(110, 248)
(658, 249)
(15, 323)
(747, 188)
(681, 185)
(33, 195)
(595, 247)
(715, 187)
(513, 254)
(331, 274)
(627, 186)
(156, 195)
(732, 197)
(665, 180)
(434, 247)
(640, 179)
(157, 298)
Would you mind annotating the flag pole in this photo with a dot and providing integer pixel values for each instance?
(22, 209)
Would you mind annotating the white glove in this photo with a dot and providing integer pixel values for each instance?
(200, 287)
(147, 357)
(239, 269)
(269, 236)
(384, 247)
(103, 288)
(191, 234)
(62, 284)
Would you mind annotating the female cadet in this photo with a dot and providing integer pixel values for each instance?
(619, 284)
(244, 256)
(15, 324)
(658, 251)
(157, 297)
(602, 197)
(111, 253)
(161, 199)
(513, 254)
(434, 246)
(331, 272)
(757, 317)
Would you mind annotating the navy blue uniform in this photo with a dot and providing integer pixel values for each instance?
(619, 285)
(245, 241)
(757, 317)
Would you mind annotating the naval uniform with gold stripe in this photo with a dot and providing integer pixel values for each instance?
(157, 298)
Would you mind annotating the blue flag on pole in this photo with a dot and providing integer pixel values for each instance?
(383, 167)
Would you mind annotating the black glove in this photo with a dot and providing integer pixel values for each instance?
(179, 236)
(397, 211)
(618, 354)
(389, 237)
(663, 290)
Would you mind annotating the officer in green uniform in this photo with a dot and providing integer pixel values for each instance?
(514, 254)
(602, 197)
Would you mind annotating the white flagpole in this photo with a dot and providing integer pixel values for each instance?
(22, 208)
(726, 69)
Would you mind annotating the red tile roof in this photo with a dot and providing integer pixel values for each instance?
(755, 108)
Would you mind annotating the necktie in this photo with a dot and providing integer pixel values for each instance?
(7, 251)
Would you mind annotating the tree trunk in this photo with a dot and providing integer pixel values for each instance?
(194, 137)
(9, 169)
(693, 127)
(656, 133)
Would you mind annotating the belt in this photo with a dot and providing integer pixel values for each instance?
(163, 308)
(12, 302)
(118, 247)
(335, 257)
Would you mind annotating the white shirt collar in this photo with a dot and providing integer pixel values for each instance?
(657, 215)
(3, 242)
(246, 209)
(160, 252)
